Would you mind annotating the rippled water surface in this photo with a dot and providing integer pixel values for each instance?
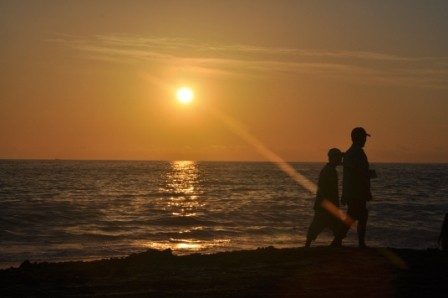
(66, 210)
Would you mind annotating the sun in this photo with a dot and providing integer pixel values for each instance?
(185, 95)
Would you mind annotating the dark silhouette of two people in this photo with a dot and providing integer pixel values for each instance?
(355, 192)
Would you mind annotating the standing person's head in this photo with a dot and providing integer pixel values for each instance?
(359, 136)
(335, 156)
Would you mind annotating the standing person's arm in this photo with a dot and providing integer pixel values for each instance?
(320, 188)
(364, 173)
(443, 230)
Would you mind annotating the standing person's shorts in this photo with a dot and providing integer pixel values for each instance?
(357, 210)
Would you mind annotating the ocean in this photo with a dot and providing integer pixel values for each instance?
(59, 210)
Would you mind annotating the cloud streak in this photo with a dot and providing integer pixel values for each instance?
(225, 59)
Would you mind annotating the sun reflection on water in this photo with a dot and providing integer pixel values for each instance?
(183, 203)
(182, 185)
(186, 246)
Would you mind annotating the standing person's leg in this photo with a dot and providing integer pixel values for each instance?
(362, 226)
(341, 227)
(316, 227)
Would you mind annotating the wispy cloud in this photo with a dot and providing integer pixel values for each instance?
(225, 59)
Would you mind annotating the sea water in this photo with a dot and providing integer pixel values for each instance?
(83, 210)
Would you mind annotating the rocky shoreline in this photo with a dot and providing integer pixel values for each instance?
(264, 272)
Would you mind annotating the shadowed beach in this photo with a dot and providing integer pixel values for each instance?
(265, 272)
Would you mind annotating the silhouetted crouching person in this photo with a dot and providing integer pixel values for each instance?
(356, 185)
(327, 195)
(443, 238)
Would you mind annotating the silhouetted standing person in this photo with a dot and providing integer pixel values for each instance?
(356, 184)
(327, 190)
(443, 237)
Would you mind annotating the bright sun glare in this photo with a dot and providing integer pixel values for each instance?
(185, 95)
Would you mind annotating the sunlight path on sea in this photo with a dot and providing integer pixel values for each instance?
(184, 201)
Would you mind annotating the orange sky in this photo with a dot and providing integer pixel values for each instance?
(97, 79)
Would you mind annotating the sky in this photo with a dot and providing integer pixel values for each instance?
(97, 80)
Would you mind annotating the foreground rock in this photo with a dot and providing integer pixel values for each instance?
(267, 272)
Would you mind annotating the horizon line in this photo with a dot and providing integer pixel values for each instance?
(217, 161)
